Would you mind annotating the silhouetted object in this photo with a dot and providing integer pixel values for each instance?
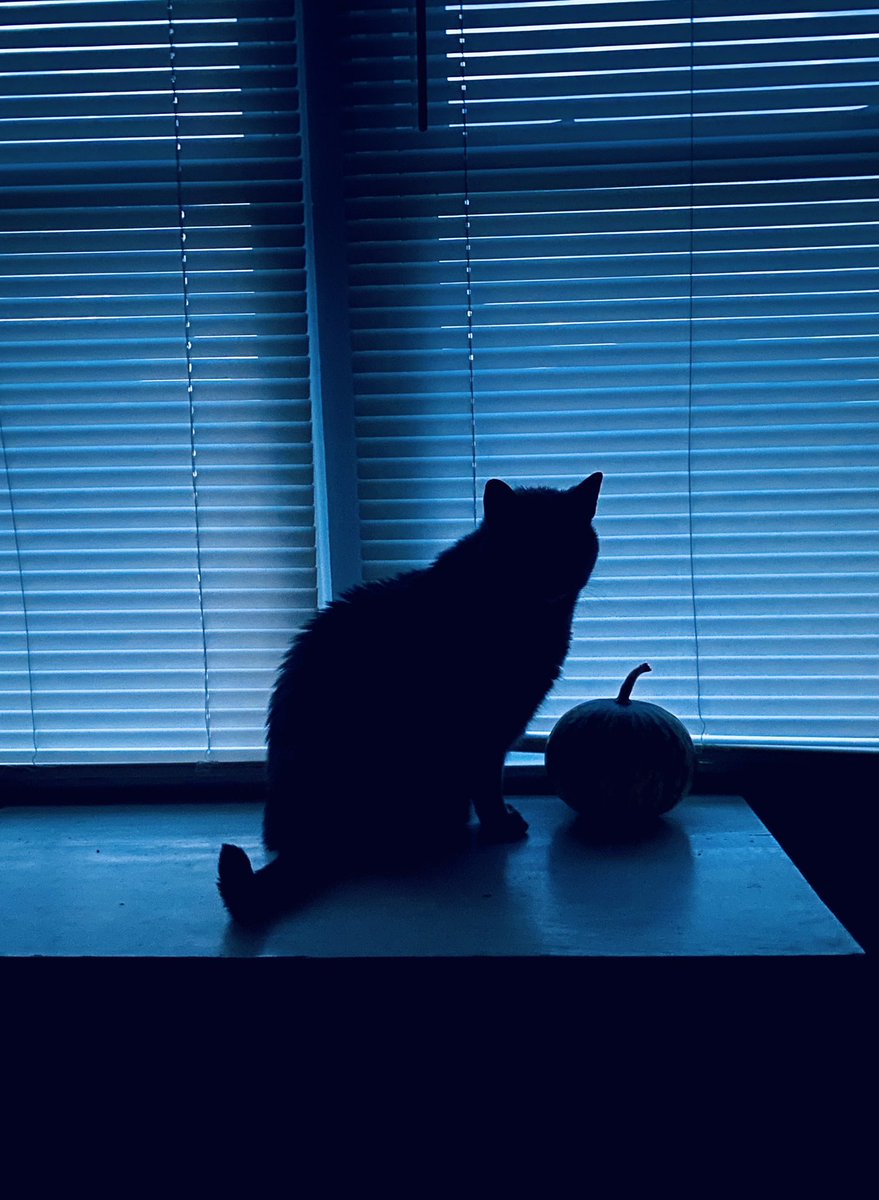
(395, 706)
(620, 763)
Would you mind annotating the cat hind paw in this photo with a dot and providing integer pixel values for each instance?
(507, 826)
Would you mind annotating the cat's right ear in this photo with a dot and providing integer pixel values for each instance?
(496, 499)
(586, 494)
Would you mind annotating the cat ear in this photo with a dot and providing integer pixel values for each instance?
(586, 494)
(496, 499)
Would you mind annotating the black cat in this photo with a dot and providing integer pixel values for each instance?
(396, 705)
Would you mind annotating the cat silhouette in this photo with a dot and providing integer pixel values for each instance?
(395, 706)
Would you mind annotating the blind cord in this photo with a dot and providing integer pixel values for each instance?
(421, 56)
(27, 632)
(690, 375)
(468, 263)
(193, 449)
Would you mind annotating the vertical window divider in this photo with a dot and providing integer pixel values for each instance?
(691, 259)
(337, 521)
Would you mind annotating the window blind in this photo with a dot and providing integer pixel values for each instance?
(638, 238)
(156, 516)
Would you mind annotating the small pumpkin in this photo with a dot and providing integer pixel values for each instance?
(622, 762)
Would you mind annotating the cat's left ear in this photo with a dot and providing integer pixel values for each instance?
(586, 494)
(496, 499)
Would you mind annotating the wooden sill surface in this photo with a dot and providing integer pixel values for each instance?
(138, 881)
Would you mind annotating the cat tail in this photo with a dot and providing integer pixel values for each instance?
(254, 897)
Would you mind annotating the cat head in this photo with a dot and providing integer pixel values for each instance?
(542, 538)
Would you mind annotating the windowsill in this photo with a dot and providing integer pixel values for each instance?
(139, 881)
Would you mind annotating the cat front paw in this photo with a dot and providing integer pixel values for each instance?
(508, 826)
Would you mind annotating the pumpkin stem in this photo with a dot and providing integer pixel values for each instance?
(629, 682)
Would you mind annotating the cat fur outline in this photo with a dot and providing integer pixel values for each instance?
(349, 791)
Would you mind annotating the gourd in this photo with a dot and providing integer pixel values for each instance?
(620, 763)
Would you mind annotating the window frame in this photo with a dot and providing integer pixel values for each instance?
(336, 499)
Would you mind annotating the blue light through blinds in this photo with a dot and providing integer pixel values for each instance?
(156, 527)
(670, 218)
